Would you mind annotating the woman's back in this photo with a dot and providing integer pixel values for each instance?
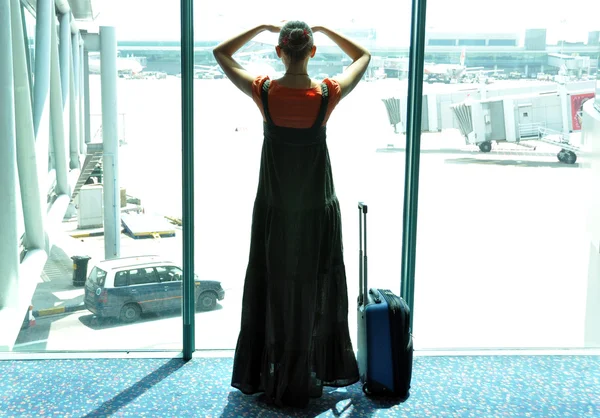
(295, 173)
(292, 106)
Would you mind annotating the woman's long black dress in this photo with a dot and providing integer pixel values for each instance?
(294, 336)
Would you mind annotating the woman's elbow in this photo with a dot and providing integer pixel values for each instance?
(218, 51)
(220, 56)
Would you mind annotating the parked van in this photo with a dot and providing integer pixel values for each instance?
(127, 287)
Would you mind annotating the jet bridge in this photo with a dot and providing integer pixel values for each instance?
(543, 117)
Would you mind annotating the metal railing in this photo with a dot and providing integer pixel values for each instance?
(539, 132)
(530, 130)
(562, 137)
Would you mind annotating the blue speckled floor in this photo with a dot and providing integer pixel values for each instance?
(477, 386)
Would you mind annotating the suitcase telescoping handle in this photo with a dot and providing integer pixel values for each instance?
(363, 298)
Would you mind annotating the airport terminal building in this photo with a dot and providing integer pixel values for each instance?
(527, 53)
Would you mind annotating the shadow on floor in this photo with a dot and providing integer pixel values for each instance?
(133, 392)
(349, 402)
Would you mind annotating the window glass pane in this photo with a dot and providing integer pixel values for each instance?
(366, 155)
(492, 223)
(142, 276)
(97, 276)
(176, 274)
(498, 266)
(168, 274)
(472, 42)
(441, 42)
(502, 42)
(122, 313)
(121, 278)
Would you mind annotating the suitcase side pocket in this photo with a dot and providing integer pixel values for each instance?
(401, 343)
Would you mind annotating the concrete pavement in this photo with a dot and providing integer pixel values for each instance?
(56, 293)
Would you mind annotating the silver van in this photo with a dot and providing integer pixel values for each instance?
(127, 287)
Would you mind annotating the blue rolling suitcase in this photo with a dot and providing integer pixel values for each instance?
(385, 348)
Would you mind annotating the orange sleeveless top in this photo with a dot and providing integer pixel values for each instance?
(295, 108)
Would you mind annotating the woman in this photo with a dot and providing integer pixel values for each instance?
(294, 336)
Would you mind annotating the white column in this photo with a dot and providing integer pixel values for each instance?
(75, 53)
(64, 52)
(77, 90)
(86, 97)
(9, 180)
(80, 75)
(110, 135)
(32, 158)
(75, 163)
(61, 156)
(41, 87)
(41, 120)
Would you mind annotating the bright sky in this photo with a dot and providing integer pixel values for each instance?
(216, 20)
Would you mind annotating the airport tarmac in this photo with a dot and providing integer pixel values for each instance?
(502, 236)
(491, 256)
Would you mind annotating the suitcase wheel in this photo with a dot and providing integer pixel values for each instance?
(366, 389)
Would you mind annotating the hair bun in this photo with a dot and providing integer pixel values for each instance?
(298, 39)
(297, 34)
(295, 38)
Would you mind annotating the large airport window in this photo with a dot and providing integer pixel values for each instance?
(357, 127)
(146, 181)
(500, 135)
(501, 165)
